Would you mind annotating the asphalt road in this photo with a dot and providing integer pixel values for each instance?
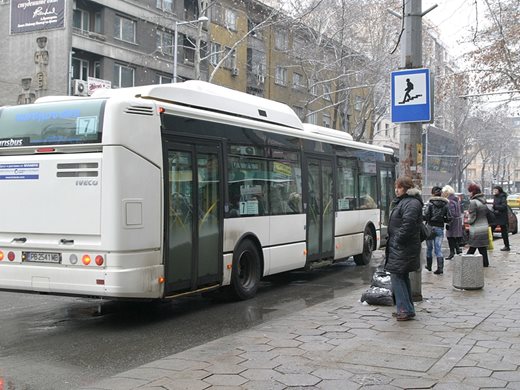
(54, 343)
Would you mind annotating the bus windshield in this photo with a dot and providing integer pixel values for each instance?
(65, 122)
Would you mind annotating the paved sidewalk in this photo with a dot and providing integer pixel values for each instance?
(459, 340)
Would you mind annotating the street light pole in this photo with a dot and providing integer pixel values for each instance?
(175, 43)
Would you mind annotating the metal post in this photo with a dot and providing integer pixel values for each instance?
(175, 45)
(411, 133)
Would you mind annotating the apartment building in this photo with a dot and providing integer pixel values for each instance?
(244, 45)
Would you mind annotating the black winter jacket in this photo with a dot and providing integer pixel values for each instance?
(403, 247)
(500, 208)
(437, 211)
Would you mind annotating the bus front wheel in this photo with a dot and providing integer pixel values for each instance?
(368, 247)
(245, 275)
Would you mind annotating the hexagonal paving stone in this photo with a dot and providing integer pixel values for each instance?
(225, 368)
(225, 380)
(331, 373)
(177, 384)
(298, 379)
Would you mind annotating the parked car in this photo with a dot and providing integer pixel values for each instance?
(514, 201)
(513, 220)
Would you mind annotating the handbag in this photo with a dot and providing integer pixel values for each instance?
(426, 232)
(491, 217)
(491, 245)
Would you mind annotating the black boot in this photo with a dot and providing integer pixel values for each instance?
(458, 244)
(440, 266)
(428, 265)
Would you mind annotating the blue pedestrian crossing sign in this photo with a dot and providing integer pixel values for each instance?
(411, 100)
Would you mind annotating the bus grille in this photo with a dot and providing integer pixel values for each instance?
(139, 110)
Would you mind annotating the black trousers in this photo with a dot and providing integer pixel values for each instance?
(505, 235)
(454, 244)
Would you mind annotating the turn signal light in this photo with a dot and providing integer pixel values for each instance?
(1, 255)
(99, 260)
(11, 256)
(86, 259)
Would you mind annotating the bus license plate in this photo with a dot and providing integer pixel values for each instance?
(42, 257)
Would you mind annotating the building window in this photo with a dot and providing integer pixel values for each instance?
(297, 80)
(386, 129)
(124, 29)
(215, 51)
(81, 20)
(280, 77)
(326, 92)
(79, 69)
(188, 46)
(123, 76)
(164, 42)
(160, 79)
(281, 40)
(229, 58)
(231, 19)
(313, 87)
(358, 105)
(298, 111)
(97, 69)
(253, 30)
(312, 118)
(326, 120)
(165, 5)
(97, 22)
(224, 16)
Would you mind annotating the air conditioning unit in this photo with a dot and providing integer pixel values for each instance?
(234, 72)
(79, 87)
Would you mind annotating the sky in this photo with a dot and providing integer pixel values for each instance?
(455, 20)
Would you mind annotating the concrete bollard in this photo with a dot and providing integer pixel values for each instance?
(468, 272)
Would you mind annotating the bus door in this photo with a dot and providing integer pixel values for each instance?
(193, 249)
(320, 209)
(386, 179)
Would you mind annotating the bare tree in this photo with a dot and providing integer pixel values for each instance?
(496, 58)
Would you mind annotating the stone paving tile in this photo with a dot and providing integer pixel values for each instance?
(509, 376)
(293, 380)
(225, 380)
(177, 384)
(413, 383)
(263, 385)
(328, 384)
(332, 374)
(224, 368)
(486, 382)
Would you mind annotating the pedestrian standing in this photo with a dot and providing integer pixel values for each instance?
(403, 248)
(478, 223)
(501, 217)
(436, 213)
(454, 229)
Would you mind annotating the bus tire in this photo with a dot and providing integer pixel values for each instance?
(368, 247)
(245, 274)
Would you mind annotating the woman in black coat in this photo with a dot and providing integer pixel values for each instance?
(501, 218)
(403, 247)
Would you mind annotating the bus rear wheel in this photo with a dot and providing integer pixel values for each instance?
(245, 275)
(368, 247)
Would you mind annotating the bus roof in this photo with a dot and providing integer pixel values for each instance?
(195, 93)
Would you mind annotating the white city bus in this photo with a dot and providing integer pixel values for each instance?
(159, 191)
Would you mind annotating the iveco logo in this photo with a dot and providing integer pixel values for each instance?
(86, 182)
